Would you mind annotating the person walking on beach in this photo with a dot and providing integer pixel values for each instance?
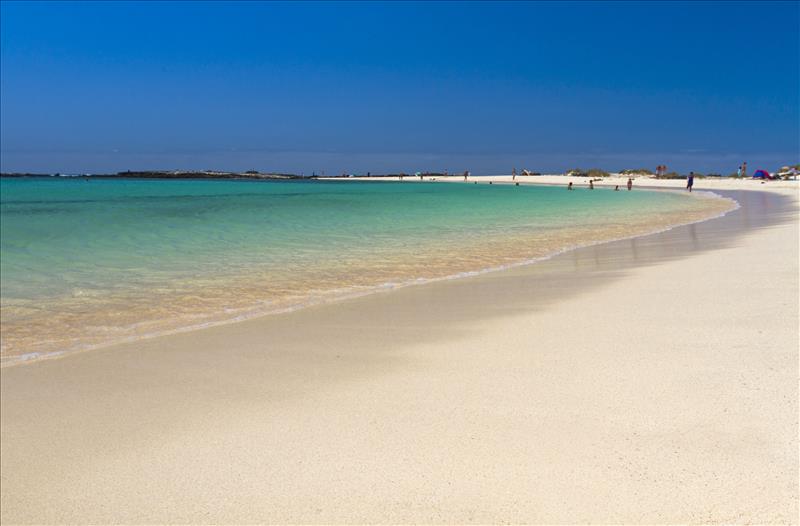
(630, 184)
(690, 181)
(739, 171)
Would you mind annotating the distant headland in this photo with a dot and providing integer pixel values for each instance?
(168, 174)
(205, 174)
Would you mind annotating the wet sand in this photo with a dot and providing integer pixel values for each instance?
(641, 381)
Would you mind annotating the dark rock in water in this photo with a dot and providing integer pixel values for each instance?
(19, 174)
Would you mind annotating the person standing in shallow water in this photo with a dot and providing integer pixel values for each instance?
(690, 181)
(630, 184)
(591, 184)
(569, 186)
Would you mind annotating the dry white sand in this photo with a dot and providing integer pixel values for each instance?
(645, 381)
(713, 183)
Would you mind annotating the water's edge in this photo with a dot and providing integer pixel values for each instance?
(33, 357)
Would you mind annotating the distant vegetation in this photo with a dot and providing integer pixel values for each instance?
(591, 172)
(636, 171)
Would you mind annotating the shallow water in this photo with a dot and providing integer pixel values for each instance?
(90, 263)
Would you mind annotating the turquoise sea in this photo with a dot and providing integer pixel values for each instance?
(87, 263)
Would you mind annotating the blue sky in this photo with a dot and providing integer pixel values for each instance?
(356, 87)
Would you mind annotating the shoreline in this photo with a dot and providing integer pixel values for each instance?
(32, 357)
(622, 382)
(640, 181)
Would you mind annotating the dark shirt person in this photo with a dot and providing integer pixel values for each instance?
(690, 181)
(569, 186)
(630, 184)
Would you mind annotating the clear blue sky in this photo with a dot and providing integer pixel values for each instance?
(302, 87)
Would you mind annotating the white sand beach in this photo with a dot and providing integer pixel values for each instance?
(789, 187)
(652, 380)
